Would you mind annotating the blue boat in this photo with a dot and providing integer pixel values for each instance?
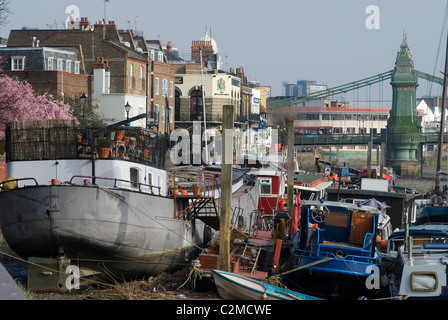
(432, 213)
(334, 254)
(232, 286)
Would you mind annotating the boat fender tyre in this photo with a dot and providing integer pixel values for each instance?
(207, 234)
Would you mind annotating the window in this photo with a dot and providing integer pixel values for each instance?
(337, 130)
(170, 119)
(157, 86)
(196, 105)
(312, 116)
(141, 79)
(150, 178)
(265, 185)
(77, 67)
(68, 66)
(424, 281)
(160, 56)
(163, 114)
(135, 177)
(156, 116)
(60, 65)
(131, 74)
(159, 180)
(171, 89)
(164, 87)
(18, 63)
(50, 63)
(152, 54)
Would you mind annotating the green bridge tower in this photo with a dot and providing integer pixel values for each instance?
(403, 126)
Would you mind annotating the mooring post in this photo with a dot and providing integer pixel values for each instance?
(226, 188)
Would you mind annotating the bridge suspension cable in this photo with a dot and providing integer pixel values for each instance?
(345, 88)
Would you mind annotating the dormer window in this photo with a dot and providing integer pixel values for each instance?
(50, 63)
(17, 63)
(60, 65)
(68, 66)
(77, 67)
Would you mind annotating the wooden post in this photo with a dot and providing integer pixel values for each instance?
(383, 158)
(226, 188)
(290, 172)
(369, 157)
(275, 261)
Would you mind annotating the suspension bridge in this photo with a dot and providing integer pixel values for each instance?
(403, 134)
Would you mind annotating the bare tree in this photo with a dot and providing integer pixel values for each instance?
(4, 12)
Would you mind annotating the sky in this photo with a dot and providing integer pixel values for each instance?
(331, 41)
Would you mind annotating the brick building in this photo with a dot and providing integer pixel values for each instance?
(59, 71)
(123, 64)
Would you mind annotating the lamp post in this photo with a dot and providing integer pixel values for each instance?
(83, 103)
(127, 107)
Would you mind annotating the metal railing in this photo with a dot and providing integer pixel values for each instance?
(133, 184)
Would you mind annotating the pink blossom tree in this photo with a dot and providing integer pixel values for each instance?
(18, 102)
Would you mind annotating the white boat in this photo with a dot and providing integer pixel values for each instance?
(232, 286)
(421, 263)
(115, 213)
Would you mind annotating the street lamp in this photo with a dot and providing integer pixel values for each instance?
(83, 103)
(127, 107)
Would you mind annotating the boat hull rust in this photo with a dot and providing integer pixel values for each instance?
(102, 229)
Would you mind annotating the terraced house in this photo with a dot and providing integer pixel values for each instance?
(121, 68)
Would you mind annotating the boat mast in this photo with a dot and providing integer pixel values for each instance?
(203, 105)
(442, 124)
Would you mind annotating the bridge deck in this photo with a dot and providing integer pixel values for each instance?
(363, 139)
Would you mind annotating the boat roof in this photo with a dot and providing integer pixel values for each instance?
(424, 229)
(319, 187)
(344, 205)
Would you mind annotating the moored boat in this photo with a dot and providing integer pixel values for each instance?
(334, 254)
(420, 262)
(115, 213)
(232, 286)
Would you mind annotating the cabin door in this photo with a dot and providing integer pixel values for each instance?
(361, 224)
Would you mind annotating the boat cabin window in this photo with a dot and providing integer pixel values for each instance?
(265, 186)
(150, 178)
(135, 177)
(424, 281)
(159, 178)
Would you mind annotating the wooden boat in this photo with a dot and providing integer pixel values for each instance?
(232, 286)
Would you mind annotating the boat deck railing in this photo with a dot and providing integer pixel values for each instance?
(344, 251)
(132, 184)
(12, 183)
(363, 256)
